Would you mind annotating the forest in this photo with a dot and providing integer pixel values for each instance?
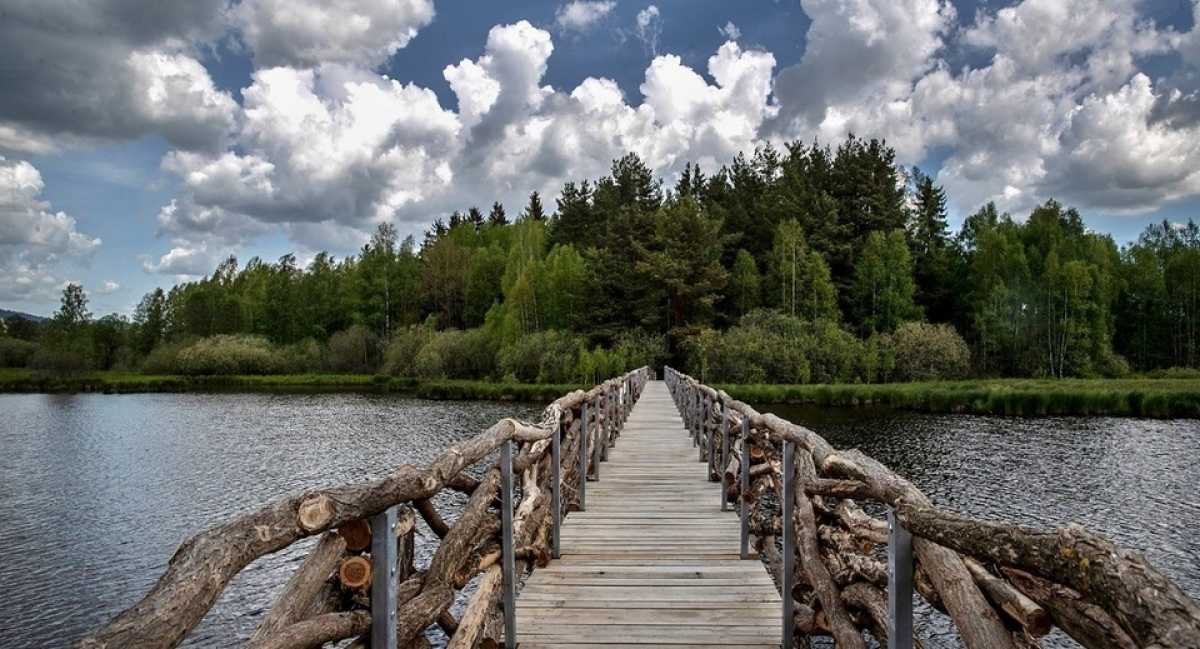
(811, 264)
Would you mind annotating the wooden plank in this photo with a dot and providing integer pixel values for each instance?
(653, 562)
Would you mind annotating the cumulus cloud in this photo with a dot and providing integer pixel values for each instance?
(313, 32)
(108, 287)
(648, 28)
(582, 15)
(1060, 109)
(326, 153)
(33, 237)
(106, 70)
(730, 31)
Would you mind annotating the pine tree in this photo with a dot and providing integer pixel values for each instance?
(534, 211)
(475, 218)
(929, 243)
(497, 216)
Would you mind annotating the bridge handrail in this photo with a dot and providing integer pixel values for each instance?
(380, 516)
(1003, 585)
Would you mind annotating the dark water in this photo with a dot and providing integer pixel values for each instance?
(96, 492)
(1135, 481)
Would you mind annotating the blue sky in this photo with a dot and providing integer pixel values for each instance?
(136, 153)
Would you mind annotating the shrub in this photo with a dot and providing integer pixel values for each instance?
(456, 354)
(302, 357)
(638, 348)
(542, 357)
(59, 360)
(926, 352)
(226, 354)
(400, 358)
(354, 350)
(163, 358)
(16, 353)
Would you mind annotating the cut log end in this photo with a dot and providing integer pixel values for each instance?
(355, 573)
(315, 512)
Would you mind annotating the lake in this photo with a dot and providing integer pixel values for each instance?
(97, 491)
(1136, 481)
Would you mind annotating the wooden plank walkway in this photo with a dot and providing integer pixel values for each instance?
(653, 561)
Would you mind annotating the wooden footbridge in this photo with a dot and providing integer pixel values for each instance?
(653, 560)
(657, 513)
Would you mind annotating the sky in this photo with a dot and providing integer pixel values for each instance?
(143, 141)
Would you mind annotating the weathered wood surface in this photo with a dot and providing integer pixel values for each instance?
(653, 560)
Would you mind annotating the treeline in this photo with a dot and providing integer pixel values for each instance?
(810, 264)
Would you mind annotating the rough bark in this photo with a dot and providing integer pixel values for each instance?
(1085, 622)
(302, 590)
(841, 626)
(1152, 609)
(1015, 604)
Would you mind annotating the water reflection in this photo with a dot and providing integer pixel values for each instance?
(1131, 480)
(96, 491)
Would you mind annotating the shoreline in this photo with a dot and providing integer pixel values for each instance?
(19, 381)
(1138, 397)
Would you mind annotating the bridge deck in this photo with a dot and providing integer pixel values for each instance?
(653, 560)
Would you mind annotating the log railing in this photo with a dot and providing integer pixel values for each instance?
(1003, 586)
(359, 581)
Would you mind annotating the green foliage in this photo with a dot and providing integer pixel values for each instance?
(883, 282)
(542, 357)
(15, 352)
(455, 354)
(925, 352)
(228, 354)
(745, 283)
(767, 346)
(354, 351)
(400, 358)
(800, 277)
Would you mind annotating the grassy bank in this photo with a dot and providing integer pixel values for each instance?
(20, 380)
(1141, 397)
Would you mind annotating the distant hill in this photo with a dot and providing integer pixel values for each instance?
(5, 314)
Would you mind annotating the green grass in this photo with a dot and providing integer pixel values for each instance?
(21, 380)
(1139, 397)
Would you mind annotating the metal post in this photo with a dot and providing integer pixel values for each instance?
(583, 457)
(383, 588)
(724, 454)
(556, 495)
(900, 584)
(508, 561)
(601, 435)
(605, 431)
(745, 489)
(711, 454)
(789, 540)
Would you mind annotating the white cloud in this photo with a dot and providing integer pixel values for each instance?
(649, 28)
(184, 261)
(582, 15)
(108, 287)
(33, 237)
(730, 31)
(1060, 110)
(314, 32)
(327, 153)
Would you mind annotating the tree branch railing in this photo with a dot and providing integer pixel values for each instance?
(1002, 585)
(359, 581)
